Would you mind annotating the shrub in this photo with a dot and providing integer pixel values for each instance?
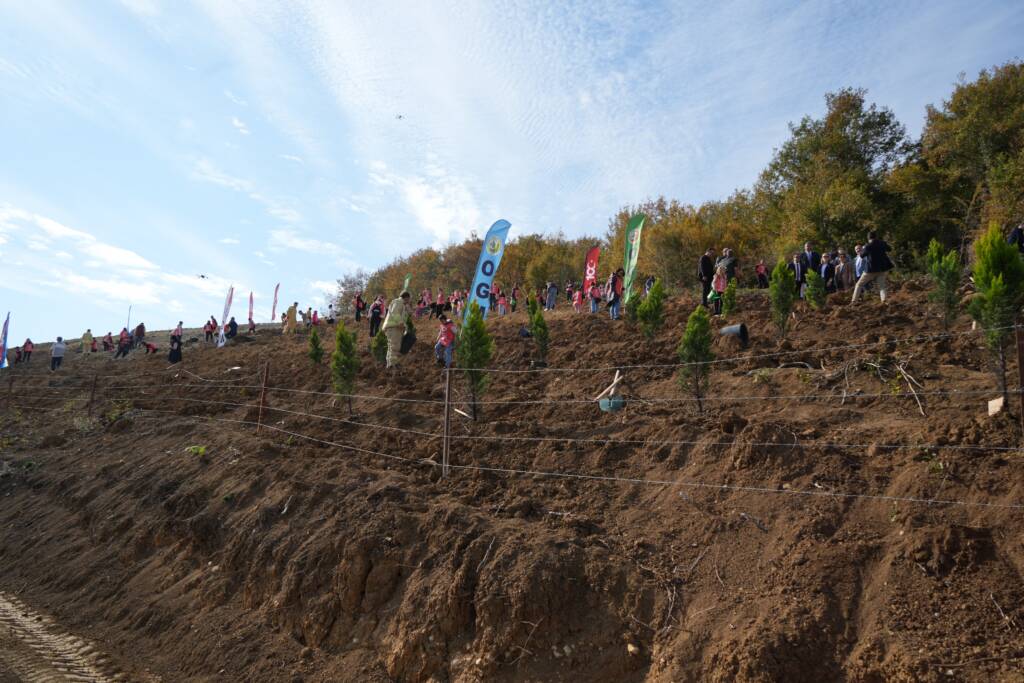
(695, 352)
(344, 362)
(814, 294)
(379, 348)
(946, 271)
(999, 281)
(474, 353)
(729, 299)
(632, 308)
(782, 294)
(541, 335)
(651, 312)
(316, 351)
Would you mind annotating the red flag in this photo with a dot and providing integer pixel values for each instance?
(273, 311)
(590, 270)
(250, 305)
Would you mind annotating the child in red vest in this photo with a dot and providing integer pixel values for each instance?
(445, 342)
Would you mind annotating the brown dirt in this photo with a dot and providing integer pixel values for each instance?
(276, 558)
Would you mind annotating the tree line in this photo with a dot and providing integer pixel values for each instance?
(835, 177)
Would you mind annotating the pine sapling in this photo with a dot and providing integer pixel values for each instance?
(651, 311)
(344, 363)
(379, 348)
(782, 295)
(729, 299)
(999, 281)
(474, 351)
(695, 354)
(946, 271)
(541, 335)
(316, 351)
(814, 294)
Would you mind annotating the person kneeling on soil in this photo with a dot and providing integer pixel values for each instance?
(394, 327)
(150, 347)
(232, 330)
(445, 342)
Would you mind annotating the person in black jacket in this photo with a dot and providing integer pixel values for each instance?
(706, 273)
(827, 271)
(810, 259)
(875, 253)
(1017, 237)
(796, 266)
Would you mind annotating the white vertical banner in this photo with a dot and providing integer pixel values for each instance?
(222, 339)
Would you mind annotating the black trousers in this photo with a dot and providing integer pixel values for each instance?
(705, 291)
(55, 362)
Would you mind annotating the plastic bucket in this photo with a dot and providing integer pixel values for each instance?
(613, 404)
(739, 330)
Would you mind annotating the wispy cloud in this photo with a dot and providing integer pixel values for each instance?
(235, 98)
(240, 126)
(228, 240)
(291, 157)
(206, 171)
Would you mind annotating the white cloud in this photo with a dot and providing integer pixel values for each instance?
(228, 240)
(205, 171)
(239, 125)
(441, 203)
(109, 256)
(291, 157)
(143, 8)
(235, 98)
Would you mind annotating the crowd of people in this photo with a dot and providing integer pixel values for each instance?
(839, 272)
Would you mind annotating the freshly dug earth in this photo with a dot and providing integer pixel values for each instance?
(715, 547)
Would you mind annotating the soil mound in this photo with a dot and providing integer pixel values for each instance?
(810, 524)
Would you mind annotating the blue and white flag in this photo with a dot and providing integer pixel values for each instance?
(490, 257)
(3, 343)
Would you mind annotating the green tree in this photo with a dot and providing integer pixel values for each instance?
(476, 346)
(946, 271)
(541, 335)
(344, 362)
(695, 354)
(999, 281)
(826, 182)
(973, 145)
(651, 311)
(316, 351)
(729, 299)
(814, 294)
(782, 294)
(379, 348)
(632, 308)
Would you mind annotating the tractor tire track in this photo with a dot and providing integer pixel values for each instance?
(34, 650)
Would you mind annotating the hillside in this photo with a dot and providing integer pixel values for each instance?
(789, 533)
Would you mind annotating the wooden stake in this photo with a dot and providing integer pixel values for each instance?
(447, 421)
(1020, 372)
(263, 396)
(92, 395)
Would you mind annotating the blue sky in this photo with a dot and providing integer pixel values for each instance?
(146, 142)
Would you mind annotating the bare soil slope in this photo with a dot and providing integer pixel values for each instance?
(772, 538)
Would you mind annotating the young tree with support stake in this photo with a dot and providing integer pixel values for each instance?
(782, 295)
(476, 346)
(344, 363)
(695, 352)
(541, 335)
(651, 311)
(946, 271)
(999, 281)
(316, 351)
